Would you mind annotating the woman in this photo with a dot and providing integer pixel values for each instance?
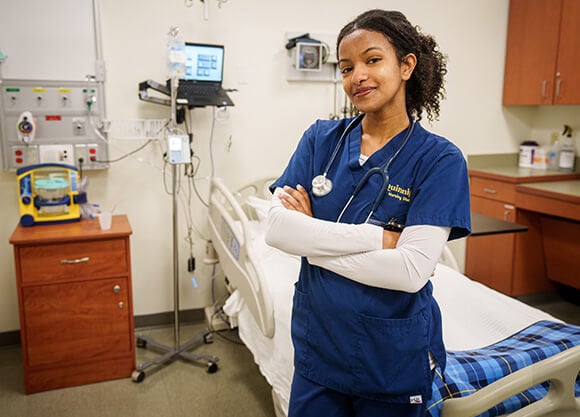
(365, 326)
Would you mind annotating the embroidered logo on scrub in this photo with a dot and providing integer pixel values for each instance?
(416, 399)
(396, 191)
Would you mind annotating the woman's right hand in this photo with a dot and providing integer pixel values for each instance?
(390, 239)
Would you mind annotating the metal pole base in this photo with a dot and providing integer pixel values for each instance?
(170, 353)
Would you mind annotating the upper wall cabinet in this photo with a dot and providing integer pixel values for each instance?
(543, 53)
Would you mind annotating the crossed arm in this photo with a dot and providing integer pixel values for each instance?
(363, 252)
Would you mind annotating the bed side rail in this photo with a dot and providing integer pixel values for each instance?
(231, 236)
(561, 369)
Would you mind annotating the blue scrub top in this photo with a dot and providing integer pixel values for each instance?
(354, 338)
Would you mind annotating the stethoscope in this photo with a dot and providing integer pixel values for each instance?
(322, 185)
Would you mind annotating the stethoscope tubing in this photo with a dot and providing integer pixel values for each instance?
(353, 123)
(383, 169)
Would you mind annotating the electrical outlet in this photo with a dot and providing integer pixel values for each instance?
(81, 153)
(56, 153)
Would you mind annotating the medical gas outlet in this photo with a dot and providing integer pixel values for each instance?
(26, 127)
(55, 122)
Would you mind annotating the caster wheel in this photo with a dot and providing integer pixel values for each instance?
(212, 367)
(141, 343)
(137, 376)
(208, 338)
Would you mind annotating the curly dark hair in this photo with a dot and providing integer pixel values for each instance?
(425, 88)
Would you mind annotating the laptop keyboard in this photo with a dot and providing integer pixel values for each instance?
(203, 95)
(204, 90)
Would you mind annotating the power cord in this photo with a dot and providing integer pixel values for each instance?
(110, 161)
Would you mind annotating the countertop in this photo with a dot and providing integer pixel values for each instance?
(504, 167)
(561, 190)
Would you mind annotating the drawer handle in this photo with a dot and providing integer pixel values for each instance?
(544, 85)
(489, 191)
(508, 209)
(74, 261)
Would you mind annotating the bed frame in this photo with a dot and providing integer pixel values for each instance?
(229, 231)
(229, 220)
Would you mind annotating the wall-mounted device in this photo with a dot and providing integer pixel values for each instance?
(178, 150)
(311, 57)
(52, 122)
(48, 193)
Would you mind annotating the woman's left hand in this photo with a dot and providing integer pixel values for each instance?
(296, 199)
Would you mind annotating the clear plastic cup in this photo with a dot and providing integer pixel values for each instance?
(105, 220)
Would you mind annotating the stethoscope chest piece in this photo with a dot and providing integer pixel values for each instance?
(321, 185)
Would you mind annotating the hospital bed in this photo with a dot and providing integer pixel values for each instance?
(528, 361)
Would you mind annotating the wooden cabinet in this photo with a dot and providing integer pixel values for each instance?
(75, 300)
(559, 205)
(542, 53)
(497, 271)
(511, 263)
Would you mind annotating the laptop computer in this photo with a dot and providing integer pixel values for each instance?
(202, 83)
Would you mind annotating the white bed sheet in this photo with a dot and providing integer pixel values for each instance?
(473, 315)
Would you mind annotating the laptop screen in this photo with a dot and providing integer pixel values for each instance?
(204, 62)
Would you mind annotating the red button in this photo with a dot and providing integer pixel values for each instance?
(93, 151)
(18, 153)
(19, 160)
(93, 158)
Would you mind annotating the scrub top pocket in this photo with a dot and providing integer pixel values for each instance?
(392, 355)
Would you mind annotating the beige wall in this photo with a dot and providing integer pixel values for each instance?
(268, 118)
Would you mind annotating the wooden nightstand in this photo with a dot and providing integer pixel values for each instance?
(75, 301)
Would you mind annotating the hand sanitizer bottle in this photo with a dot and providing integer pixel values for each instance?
(567, 150)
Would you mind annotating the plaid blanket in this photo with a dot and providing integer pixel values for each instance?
(468, 371)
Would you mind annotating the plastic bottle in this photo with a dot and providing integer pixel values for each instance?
(527, 150)
(176, 56)
(541, 158)
(567, 151)
(553, 154)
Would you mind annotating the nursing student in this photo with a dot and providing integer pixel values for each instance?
(365, 326)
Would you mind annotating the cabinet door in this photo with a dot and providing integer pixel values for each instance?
(77, 322)
(531, 54)
(489, 259)
(567, 90)
(529, 271)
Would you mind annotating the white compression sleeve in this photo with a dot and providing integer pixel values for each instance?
(407, 268)
(298, 234)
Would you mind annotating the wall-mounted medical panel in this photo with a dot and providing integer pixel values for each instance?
(52, 121)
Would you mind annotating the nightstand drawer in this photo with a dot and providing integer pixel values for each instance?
(494, 190)
(73, 261)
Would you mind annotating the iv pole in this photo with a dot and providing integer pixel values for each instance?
(178, 350)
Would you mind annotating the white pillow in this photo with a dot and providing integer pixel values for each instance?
(260, 206)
